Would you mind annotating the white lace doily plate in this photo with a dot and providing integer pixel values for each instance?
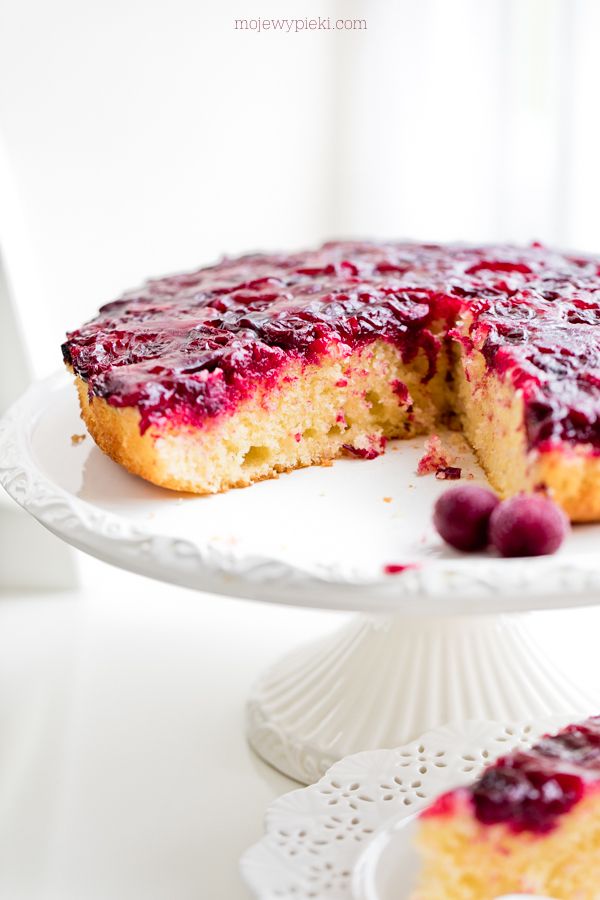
(315, 837)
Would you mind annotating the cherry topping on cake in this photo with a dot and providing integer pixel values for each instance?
(525, 793)
(462, 516)
(528, 790)
(192, 346)
(528, 525)
(576, 744)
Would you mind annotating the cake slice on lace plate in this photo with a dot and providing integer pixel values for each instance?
(530, 824)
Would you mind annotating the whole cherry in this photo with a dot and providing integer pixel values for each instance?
(528, 525)
(462, 516)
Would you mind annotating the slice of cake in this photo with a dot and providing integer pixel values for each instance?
(257, 365)
(528, 384)
(530, 824)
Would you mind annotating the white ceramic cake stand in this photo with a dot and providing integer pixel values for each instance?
(448, 639)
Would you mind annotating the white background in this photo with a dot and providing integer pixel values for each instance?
(143, 136)
(147, 136)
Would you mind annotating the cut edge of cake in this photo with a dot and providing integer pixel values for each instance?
(346, 404)
(492, 415)
(352, 403)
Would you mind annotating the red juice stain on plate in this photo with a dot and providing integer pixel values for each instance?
(398, 568)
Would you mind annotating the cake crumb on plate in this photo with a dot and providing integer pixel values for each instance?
(435, 457)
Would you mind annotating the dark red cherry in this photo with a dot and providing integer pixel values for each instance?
(528, 525)
(462, 515)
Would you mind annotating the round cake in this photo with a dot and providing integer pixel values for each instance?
(236, 372)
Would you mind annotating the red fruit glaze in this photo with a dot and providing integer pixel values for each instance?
(189, 347)
(530, 790)
(528, 525)
(444, 805)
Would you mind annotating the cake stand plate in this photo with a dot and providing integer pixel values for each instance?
(449, 637)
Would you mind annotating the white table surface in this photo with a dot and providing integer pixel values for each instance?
(124, 771)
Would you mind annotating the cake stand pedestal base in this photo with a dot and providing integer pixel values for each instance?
(380, 682)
